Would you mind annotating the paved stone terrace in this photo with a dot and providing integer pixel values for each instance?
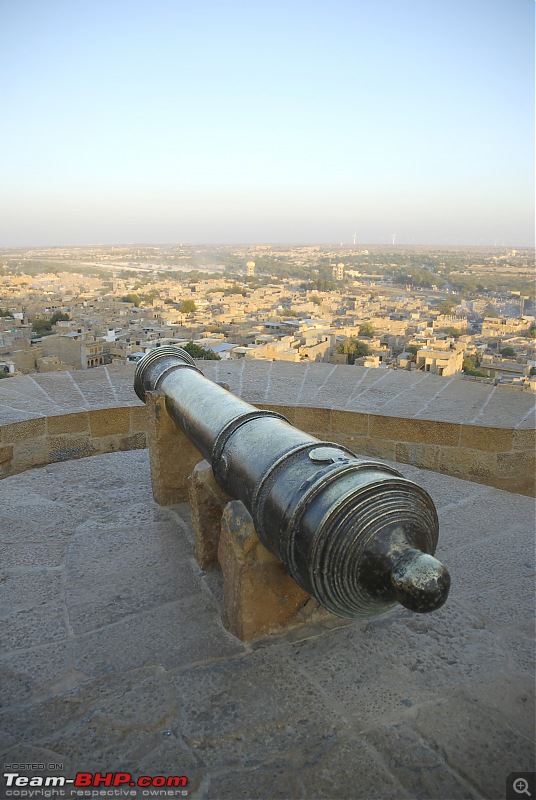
(113, 655)
(390, 392)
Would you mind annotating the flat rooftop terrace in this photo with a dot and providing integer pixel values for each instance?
(114, 657)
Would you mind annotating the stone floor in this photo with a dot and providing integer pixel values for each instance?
(113, 656)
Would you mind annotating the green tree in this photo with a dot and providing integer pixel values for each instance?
(42, 326)
(412, 349)
(149, 297)
(187, 307)
(315, 299)
(323, 285)
(491, 312)
(368, 330)
(236, 289)
(353, 348)
(532, 331)
(470, 367)
(454, 332)
(4, 313)
(446, 306)
(59, 316)
(200, 352)
(132, 298)
(508, 352)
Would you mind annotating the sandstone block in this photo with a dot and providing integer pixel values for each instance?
(260, 597)
(135, 441)
(349, 422)
(107, 421)
(418, 455)
(520, 463)
(414, 430)
(27, 429)
(484, 438)
(207, 502)
(64, 447)
(524, 439)
(68, 423)
(315, 421)
(467, 464)
(171, 454)
(30, 453)
(138, 419)
(6, 453)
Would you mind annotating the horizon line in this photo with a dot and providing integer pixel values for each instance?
(332, 245)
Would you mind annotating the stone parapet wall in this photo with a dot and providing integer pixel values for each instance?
(44, 440)
(478, 433)
(500, 457)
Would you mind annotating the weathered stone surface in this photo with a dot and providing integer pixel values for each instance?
(421, 455)
(67, 447)
(28, 429)
(172, 455)
(6, 453)
(484, 438)
(462, 462)
(455, 726)
(138, 419)
(414, 430)
(452, 400)
(145, 678)
(134, 441)
(106, 421)
(154, 550)
(259, 597)
(365, 446)
(216, 718)
(31, 607)
(207, 502)
(524, 439)
(312, 420)
(68, 423)
(158, 633)
(420, 770)
(349, 424)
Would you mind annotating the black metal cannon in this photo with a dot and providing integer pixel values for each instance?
(352, 532)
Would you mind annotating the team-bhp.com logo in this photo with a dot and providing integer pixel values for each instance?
(92, 784)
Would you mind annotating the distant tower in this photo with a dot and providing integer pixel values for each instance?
(250, 269)
(338, 272)
(355, 237)
(394, 237)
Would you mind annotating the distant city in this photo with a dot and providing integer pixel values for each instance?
(443, 310)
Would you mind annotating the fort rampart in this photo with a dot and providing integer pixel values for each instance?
(42, 421)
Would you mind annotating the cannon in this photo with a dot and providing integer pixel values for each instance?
(351, 531)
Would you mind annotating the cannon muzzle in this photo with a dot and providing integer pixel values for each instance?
(353, 532)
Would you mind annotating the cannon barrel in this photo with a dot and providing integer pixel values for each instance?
(353, 532)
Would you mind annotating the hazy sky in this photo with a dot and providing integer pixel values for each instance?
(266, 121)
